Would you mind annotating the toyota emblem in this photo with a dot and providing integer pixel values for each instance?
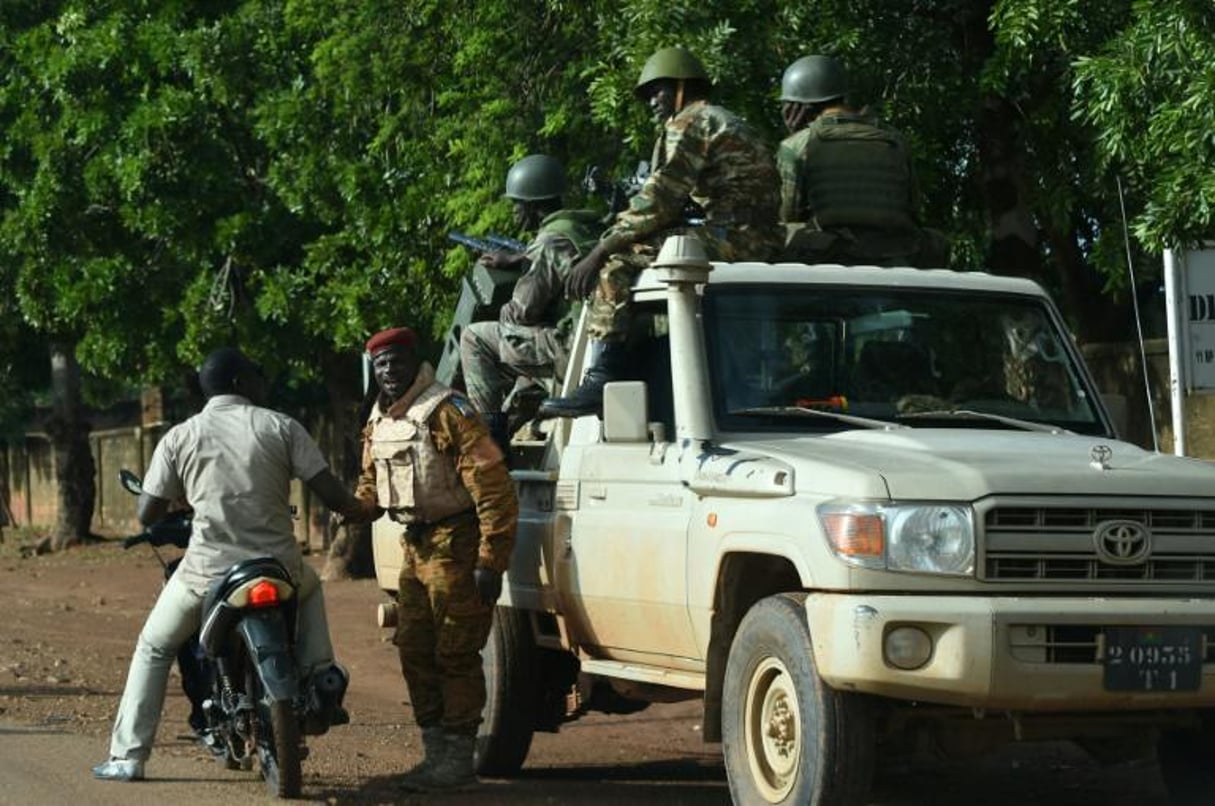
(1122, 542)
(1100, 456)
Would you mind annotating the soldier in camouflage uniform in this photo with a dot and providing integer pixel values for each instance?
(531, 337)
(848, 193)
(705, 155)
(430, 464)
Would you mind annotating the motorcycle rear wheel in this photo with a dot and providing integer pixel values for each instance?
(283, 774)
(278, 742)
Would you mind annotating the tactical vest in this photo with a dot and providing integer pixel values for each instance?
(856, 174)
(414, 481)
(581, 227)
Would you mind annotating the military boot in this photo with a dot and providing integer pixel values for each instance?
(455, 770)
(434, 749)
(608, 366)
(499, 430)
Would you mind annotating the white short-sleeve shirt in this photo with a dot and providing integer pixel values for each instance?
(233, 462)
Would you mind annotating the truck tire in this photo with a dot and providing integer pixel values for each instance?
(512, 695)
(1187, 764)
(787, 736)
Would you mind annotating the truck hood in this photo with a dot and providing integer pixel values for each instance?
(968, 464)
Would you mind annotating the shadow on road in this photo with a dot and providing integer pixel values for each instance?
(668, 782)
(24, 731)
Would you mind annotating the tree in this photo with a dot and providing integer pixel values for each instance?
(1148, 95)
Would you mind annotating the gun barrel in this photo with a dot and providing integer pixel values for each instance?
(479, 244)
(509, 244)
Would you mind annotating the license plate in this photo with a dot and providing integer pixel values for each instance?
(1153, 658)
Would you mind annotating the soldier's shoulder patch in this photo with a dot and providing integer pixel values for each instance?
(462, 405)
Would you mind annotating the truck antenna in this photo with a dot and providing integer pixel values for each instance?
(1130, 266)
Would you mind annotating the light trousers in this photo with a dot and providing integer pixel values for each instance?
(174, 618)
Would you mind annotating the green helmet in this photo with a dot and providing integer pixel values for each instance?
(813, 79)
(535, 177)
(675, 62)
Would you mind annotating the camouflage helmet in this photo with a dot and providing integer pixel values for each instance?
(813, 79)
(677, 63)
(534, 178)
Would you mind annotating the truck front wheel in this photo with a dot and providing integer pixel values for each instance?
(509, 661)
(787, 736)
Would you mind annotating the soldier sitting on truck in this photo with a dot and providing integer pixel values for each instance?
(705, 154)
(530, 338)
(848, 193)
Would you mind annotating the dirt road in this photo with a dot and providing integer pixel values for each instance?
(68, 623)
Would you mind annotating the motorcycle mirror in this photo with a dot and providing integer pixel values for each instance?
(130, 481)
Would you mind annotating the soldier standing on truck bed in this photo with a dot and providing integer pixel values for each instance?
(705, 154)
(531, 337)
(429, 462)
(848, 193)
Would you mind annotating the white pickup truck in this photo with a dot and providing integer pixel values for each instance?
(847, 508)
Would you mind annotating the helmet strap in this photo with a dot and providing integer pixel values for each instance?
(678, 95)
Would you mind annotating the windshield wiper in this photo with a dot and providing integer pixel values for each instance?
(969, 414)
(802, 411)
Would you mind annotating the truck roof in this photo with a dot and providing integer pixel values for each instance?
(834, 274)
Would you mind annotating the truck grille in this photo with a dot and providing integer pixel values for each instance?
(1073, 644)
(1048, 544)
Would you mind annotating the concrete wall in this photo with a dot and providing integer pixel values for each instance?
(1117, 370)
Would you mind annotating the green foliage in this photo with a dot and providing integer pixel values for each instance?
(281, 173)
(1149, 96)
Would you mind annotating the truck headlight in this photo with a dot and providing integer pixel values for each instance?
(930, 539)
(921, 538)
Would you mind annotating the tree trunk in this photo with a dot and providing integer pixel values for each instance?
(1015, 240)
(69, 432)
(350, 554)
(6, 511)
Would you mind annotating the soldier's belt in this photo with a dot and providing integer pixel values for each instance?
(416, 530)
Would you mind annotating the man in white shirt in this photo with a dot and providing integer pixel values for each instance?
(233, 463)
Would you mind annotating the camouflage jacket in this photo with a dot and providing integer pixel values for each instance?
(538, 298)
(711, 156)
(458, 433)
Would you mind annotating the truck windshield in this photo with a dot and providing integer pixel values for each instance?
(910, 357)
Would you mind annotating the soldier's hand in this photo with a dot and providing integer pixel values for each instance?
(489, 585)
(502, 260)
(585, 274)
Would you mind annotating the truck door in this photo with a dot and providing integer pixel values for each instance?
(628, 542)
(628, 539)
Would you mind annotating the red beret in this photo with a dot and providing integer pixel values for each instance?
(387, 338)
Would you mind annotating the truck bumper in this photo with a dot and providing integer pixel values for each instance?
(1022, 653)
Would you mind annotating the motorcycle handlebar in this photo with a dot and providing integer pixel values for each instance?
(174, 529)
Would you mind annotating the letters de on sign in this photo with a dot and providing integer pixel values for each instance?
(1200, 314)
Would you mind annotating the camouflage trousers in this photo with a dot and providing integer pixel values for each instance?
(493, 356)
(442, 626)
(608, 319)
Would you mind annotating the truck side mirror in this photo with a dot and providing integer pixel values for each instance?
(625, 405)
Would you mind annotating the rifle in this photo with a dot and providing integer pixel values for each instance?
(618, 192)
(509, 244)
(490, 243)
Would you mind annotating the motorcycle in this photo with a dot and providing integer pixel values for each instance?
(256, 704)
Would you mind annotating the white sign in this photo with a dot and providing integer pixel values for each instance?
(1199, 315)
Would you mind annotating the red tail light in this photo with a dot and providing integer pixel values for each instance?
(263, 594)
